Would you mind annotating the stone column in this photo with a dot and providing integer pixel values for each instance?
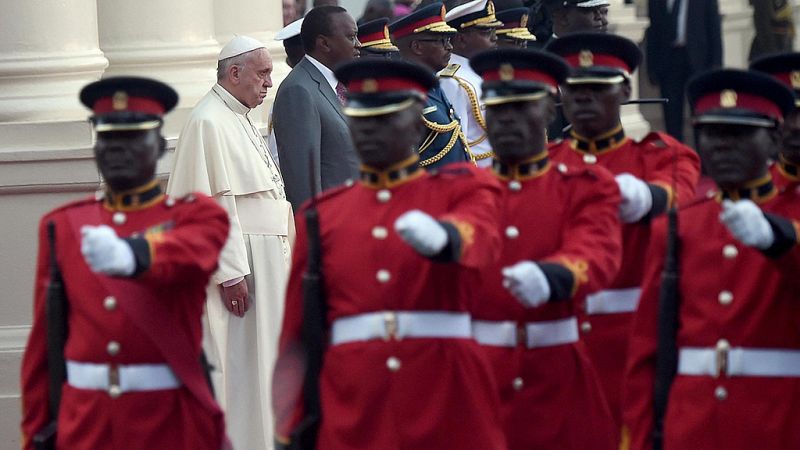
(624, 22)
(48, 51)
(172, 41)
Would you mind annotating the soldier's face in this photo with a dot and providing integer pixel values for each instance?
(434, 51)
(127, 159)
(587, 19)
(517, 130)
(733, 155)
(593, 109)
(790, 135)
(386, 139)
(474, 40)
(511, 43)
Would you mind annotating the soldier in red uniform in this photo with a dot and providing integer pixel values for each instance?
(135, 265)
(562, 240)
(402, 251)
(786, 68)
(652, 174)
(738, 348)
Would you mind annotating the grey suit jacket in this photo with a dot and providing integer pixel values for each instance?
(309, 123)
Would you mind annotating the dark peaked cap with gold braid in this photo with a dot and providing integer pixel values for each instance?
(377, 87)
(128, 103)
(740, 97)
(597, 57)
(515, 75)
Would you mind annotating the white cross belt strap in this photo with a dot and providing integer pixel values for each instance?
(399, 325)
(738, 361)
(613, 301)
(133, 377)
(534, 334)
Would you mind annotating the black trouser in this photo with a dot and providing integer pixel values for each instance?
(673, 88)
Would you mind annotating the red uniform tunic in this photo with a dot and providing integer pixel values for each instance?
(654, 160)
(565, 220)
(727, 291)
(785, 175)
(147, 319)
(437, 393)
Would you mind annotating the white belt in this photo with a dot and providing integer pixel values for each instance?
(613, 301)
(398, 325)
(738, 361)
(121, 378)
(534, 334)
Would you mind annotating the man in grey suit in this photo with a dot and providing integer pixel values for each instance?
(307, 117)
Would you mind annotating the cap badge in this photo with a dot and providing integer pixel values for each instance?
(506, 72)
(370, 86)
(444, 11)
(586, 58)
(523, 21)
(795, 77)
(727, 98)
(119, 101)
(490, 8)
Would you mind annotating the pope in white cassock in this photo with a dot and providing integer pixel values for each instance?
(221, 153)
(476, 24)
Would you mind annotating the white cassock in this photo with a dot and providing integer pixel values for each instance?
(463, 89)
(222, 154)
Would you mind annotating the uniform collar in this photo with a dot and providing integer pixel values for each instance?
(759, 191)
(606, 142)
(789, 170)
(526, 170)
(133, 199)
(399, 173)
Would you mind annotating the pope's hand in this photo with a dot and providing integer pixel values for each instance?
(636, 198)
(234, 298)
(421, 231)
(746, 222)
(526, 281)
(105, 252)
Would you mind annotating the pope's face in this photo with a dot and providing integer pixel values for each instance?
(255, 78)
(127, 159)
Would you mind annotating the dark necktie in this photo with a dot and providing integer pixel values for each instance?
(340, 91)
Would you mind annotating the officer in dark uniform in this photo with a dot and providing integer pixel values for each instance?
(786, 68)
(135, 264)
(514, 31)
(375, 40)
(423, 37)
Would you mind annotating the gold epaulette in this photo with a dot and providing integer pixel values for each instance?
(450, 70)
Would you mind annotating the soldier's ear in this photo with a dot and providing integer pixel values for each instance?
(550, 111)
(416, 48)
(625, 90)
(162, 146)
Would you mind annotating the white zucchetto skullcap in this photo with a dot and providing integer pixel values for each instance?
(239, 45)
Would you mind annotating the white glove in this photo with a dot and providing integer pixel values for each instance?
(106, 253)
(636, 198)
(422, 232)
(746, 222)
(526, 281)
